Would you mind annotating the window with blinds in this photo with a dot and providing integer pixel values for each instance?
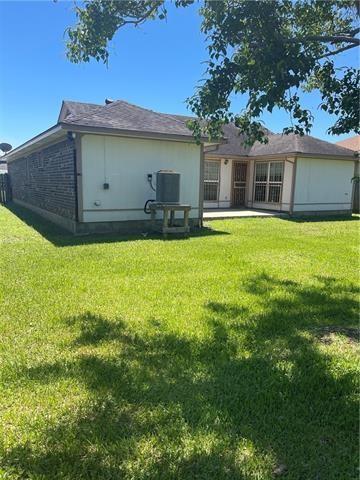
(211, 180)
(268, 181)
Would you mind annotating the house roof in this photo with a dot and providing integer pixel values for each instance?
(277, 144)
(116, 117)
(121, 115)
(353, 143)
(75, 108)
(292, 143)
(234, 140)
(233, 144)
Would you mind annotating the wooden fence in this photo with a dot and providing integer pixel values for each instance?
(5, 188)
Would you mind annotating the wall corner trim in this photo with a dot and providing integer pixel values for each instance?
(293, 183)
(201, 185)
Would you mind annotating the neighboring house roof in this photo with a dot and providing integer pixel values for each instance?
(353, 143)
(121, 115)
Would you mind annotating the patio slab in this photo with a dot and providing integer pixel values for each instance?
(216, 213)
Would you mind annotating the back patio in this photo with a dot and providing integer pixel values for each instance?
(217, 213)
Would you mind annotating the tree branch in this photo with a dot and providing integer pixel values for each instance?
(355, 32)
(144, 17)
(328, 38)
(335, 52)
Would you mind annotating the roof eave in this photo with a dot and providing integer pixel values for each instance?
(130, 133)
(306, 155)
(326, 155)
(46, 135)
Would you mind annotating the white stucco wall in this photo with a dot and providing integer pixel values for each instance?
(323, 184)
(287, 184)
(320, 185)
(225, 186)
(250, 183)
(225, 183)
(124, 163)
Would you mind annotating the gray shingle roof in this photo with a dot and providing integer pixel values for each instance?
(122, 115)
(234, 139)
(278, 144)
(233, 144)
(76, 108)
(292, 143)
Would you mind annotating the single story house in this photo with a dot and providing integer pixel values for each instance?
(90, 171)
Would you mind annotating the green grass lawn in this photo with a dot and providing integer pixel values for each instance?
(229, 355)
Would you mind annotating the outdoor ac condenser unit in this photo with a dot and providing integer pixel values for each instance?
(167, 186)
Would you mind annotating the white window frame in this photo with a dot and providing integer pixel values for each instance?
(269, 183)
(218, 162)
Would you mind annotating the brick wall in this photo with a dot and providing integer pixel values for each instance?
(46, 179)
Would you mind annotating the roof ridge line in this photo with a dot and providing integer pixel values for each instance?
(176, 115)
(159, 114)
(79, 116)
(83, 103)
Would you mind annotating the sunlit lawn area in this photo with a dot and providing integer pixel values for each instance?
(228, 355)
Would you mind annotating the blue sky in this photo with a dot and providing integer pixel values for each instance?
(156, 66)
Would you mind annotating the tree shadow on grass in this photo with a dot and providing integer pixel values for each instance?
(94, 329)
(258, 391)
(62, 238)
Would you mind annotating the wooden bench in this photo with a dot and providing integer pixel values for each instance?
(168, 210)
